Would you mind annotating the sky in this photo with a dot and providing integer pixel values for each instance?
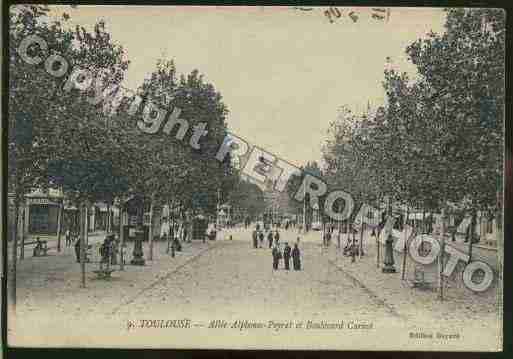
(283, 73)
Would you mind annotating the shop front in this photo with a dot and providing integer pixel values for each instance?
(43, 215)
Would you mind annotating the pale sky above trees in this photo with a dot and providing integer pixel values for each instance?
(282, 73)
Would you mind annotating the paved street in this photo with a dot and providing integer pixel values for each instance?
(237, 278)
(229, 280)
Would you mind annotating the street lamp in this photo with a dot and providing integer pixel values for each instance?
(304, 207)
(389, 256)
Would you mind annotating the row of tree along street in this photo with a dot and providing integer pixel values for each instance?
(436, 146)
(59, 139)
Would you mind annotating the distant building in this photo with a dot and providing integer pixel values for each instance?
(224, 215)
(39, 214)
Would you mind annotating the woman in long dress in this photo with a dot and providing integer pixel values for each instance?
(276, 257)
(270, 239)
(296, 258)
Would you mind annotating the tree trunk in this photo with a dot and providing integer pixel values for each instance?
(121, 238)
(22, 234)
(378, 234)
(441, 256)
(14, 250)
(498, 215)
(471, 235)
(88, 223)
(405, 251)
(339, 232)
(172, 225)
(83, 231)
(423, 220)
(107, 225)
(362, 229)
(378, 246)
(59, 225)
(150, 229)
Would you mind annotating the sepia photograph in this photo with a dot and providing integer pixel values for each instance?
(254, 177)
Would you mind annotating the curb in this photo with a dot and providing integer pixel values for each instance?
(380, 301)
(161, 279)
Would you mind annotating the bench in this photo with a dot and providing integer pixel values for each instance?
(490, 243)
(104, 273)
(419, 279)
(88, 253)
(39, 251)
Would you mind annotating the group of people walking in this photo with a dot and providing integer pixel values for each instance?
(258, 238)
(70, 237)
(286, 255)
(273, 239)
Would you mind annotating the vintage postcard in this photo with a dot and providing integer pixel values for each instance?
(316, 178)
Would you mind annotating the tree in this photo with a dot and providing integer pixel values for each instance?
(49, 127)
(439, 137)
(294, 184)
(464, 69)
(348, 156)
(174, 164)
(248, 198)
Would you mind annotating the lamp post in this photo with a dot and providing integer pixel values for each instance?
(389, 256)
(138, 258)
(218, 208)
(304, 208)
(138, 254)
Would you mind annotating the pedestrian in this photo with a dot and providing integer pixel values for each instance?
(67, 236)
(184, 233)
(115, 250)
(347, 247)
(104, 251)
(276, 257)
(37, 249)
(270, 239)
(296, 257)
(255, 239)
(261, 237)
(177, 245)
(277, 237)
(77, 250)
(286, 256)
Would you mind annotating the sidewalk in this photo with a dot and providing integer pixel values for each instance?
(460, 304)
(51, 242)
(51, 286)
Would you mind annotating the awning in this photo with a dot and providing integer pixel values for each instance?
(418, 216)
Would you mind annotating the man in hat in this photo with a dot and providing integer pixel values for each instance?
(77, 250)
(286, 255)
(276, 257)
(277, 237)
(67, 235)
(270, 239)
(255, 239)
(296, 257)
(261, 237)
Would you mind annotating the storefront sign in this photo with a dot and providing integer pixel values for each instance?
(41, 201)
(132, 220)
